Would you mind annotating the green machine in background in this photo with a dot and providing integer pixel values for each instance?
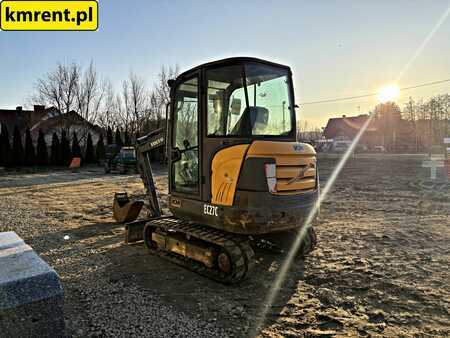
(120, 159)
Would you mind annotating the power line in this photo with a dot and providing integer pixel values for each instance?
(371, 94)
(425, 84)
(338, 99)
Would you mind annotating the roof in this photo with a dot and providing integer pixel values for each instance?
(22, 118)
(55, 122)
(348, 125)
(231, 60)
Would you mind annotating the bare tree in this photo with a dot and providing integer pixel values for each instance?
(410, 114)
(137, 109)
(138, 99)
(431, 119)
(134, 103)
(125, 108)
(107, 114)
(410, 111)
(160, 95)
(90, 94)
(302, 129)
(58, 87)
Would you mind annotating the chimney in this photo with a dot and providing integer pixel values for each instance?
(38, 107)
(19, 108)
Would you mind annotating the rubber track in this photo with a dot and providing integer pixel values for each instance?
(237, 247)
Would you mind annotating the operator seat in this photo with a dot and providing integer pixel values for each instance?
(249, 118)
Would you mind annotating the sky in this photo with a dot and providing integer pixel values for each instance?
(335, 48)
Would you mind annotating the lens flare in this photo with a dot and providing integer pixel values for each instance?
(388, 93)
(301, 235)
(424, 43)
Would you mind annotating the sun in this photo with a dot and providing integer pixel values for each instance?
(388, 93)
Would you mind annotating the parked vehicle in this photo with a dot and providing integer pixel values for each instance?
(340, 146)
(120, 159)
(379, 149)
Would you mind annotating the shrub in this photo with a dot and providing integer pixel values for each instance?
(100, 149)
(76, 150)
(55, 149)
(18, 152)
(66, 154)
(89, 156)
(30, 153)
(5, 147)
(127, 138)
(118, 139)
(42, 153)
(109, 136)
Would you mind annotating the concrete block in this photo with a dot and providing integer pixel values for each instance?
(31, 295)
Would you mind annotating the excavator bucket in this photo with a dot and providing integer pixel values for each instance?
(125, 210)
(134, 231)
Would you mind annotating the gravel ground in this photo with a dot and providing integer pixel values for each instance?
(97, 304)
(380, 269)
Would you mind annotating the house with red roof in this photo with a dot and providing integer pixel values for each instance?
(388, 130)
(48, 120)
(346, 128)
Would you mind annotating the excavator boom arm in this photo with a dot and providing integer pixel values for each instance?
(144, 146)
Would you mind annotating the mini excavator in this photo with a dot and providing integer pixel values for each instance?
(236, 170)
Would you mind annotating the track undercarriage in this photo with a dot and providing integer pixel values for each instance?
(221, 256)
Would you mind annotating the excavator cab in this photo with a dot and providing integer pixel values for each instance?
(234, 161)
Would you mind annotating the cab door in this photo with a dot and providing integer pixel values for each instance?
(185, 151)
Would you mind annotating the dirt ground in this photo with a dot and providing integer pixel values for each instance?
(381, 267)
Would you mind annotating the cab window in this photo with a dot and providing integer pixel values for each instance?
(249, 100)
(185, 137)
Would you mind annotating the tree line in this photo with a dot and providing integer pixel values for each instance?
(430, 118)
(422, 123)
(135, 109)
(61, 151)
(425, 122)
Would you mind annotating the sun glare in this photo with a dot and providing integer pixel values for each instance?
(388, 93)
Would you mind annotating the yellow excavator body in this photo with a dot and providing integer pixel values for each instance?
(236, 170)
